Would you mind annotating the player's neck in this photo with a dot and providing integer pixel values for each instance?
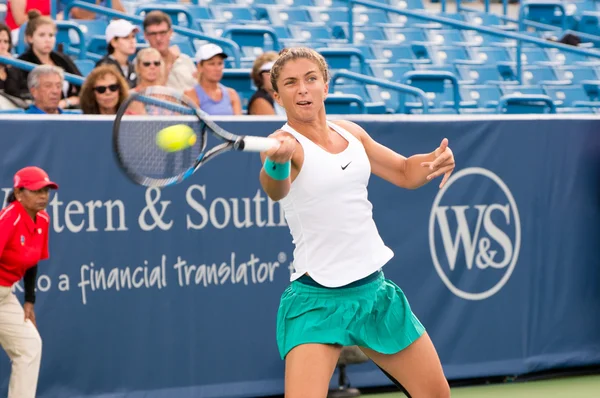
(316, 130)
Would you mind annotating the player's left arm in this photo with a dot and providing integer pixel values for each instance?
(410, 173)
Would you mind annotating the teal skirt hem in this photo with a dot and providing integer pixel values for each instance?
(374, 315)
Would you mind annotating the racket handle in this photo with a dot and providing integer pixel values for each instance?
(258, 144)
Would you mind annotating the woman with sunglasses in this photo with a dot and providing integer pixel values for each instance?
(150, 69)
(103, 91)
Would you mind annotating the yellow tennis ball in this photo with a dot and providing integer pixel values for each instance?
(176, 138)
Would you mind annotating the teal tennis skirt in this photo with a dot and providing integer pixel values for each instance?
(372, 312)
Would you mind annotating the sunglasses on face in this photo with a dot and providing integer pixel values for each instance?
(102, 89)
(148, 63)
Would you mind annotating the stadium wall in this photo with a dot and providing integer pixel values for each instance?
(174, 292)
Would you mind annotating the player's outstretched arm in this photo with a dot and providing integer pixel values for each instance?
(410, 173)
(280, 166)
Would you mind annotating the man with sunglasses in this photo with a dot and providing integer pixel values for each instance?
(180, 68)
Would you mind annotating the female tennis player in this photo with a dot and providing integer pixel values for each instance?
(338, 295)
(23, 243)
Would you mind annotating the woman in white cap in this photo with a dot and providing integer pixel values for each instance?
(209, 94)
(261, 102)
(24, 226)
(121, 43)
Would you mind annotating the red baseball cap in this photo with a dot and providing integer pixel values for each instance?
(33, 178)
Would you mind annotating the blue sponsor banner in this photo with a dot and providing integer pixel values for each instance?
(174, 292)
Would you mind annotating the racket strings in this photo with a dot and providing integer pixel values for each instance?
(137, 138)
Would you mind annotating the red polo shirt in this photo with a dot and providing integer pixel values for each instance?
(23, 242)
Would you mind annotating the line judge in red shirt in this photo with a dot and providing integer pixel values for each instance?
(24, 228)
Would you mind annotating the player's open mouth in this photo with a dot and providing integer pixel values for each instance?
(304, 103)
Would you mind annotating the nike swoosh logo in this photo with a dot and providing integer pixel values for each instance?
(344, 167)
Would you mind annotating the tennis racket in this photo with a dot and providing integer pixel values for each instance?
(143, 114)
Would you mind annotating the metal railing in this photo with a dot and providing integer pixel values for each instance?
(28, 66)
(400, 88)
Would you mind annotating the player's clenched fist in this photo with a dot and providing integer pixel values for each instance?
(286, 149)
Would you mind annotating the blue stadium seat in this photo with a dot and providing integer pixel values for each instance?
(393, 72)
(576, 73)
(535, 74)
(344, 58)
(85, 66)
(442, 88)
(405, 35)
(480, 74)
(396, 53)
(485, 96)
(180, 15)
(446, 37)
(240, 81)
(490, 55)
(238, 13)
(344, 104)
(571, 96)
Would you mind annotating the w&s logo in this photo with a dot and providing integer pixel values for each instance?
(474, 233)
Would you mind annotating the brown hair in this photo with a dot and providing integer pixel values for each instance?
(156, 17)
(35, 20)
(294, 53)
(87, 98)
(262, 59)
(4, 28)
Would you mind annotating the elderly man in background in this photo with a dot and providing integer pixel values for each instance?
(45, 83)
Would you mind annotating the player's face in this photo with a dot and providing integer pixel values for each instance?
(150, 67)
(33, 201)
(301, 89)
(159, 37)
(212, 69)
(43, 39)
(124, 45)
(4, 43)
(108, 99)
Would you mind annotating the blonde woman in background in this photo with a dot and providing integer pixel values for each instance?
(150, 69)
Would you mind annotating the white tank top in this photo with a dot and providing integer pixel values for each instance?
(330, 217)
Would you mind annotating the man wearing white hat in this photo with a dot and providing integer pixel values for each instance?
(209, 94)
(121, 43)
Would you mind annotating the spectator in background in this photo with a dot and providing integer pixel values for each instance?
(150, 69)
(45, 83)
(103, 91)
(80, 13)
(17, 13)
(209, 94)
(40, 33)
(261, 102)
(5, 48)
(121, 42)
(180, 68)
